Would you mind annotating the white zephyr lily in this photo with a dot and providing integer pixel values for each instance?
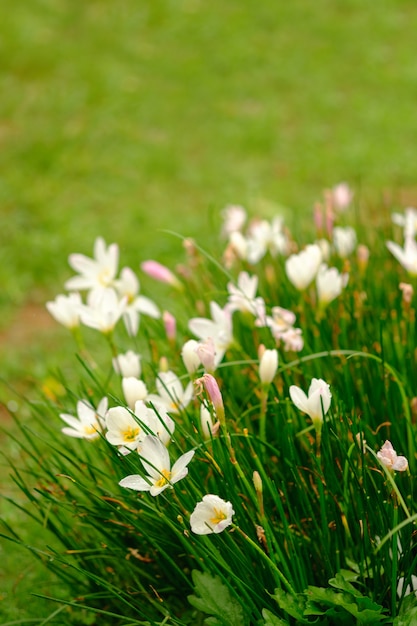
(96, 273)
(243, 296)
(134, 389)
(301, 268)
(407, 256)
(90, 421)
(127, 364)
(103, 310)
(344, 240)
(211, 515)
(330, 283)
(317, 403)
(155, 460)
(128, 286)
(171, 395)
(66, 309)
(219, 328)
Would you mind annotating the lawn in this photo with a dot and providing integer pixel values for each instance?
(128, 119)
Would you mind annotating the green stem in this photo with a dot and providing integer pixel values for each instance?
(266, 558)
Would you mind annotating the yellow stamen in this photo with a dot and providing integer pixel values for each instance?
(165, 478)
(219, 516)
(130, 434)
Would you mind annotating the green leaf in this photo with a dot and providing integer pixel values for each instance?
(361, 607)
(215, 599)
(273, 620)
(408, 612)
(293, 605)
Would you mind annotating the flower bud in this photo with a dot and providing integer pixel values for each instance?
(268, 366)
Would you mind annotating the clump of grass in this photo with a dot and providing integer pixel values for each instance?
(201, 484)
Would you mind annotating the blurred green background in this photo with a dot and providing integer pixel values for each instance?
(122, 118)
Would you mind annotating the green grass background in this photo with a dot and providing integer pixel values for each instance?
(121, 118)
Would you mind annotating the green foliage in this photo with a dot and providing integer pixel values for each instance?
(321, 530)
(214, 598)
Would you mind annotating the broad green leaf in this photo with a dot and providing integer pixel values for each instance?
(214, 598)
(273, 620)
(408, 612)
(293, 605)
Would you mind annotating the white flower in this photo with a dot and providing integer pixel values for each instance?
(133, 390)
(211, 515)
(234, 218)
(344, 240)
(408, 221)
(127, 364)
(390, 459)
(123, 429)
(263, 237)
(209, 429)
(190, 357)
(329, 283)
(66, 309)
(407, 256)
(243, 296)
(239, 244)
(128, 286)
(103, 310)
(156, 462)
(317, 403)
(90, 421)
(301, 268)
(219, 328)
(171, 394)
(156, 422)
(268, 366)
(96, 273)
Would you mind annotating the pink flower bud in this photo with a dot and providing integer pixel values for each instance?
(170, 325)
(214, 394)
(160, 272)
(206, 352)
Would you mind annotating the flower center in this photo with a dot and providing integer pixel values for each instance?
(165, 478)
(218, 516)
(130, 434)
(90, 429)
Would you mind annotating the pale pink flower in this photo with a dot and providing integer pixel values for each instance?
(407, 291)
(344, 240)
(341, 196)
(206, 352)
(170, 325)
(390, 459)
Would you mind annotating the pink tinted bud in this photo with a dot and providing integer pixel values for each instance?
(318, 217)
(363, 256)
(206, 352)
(407, 291)
(170, 325)
(160, 272)
(214, 394)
